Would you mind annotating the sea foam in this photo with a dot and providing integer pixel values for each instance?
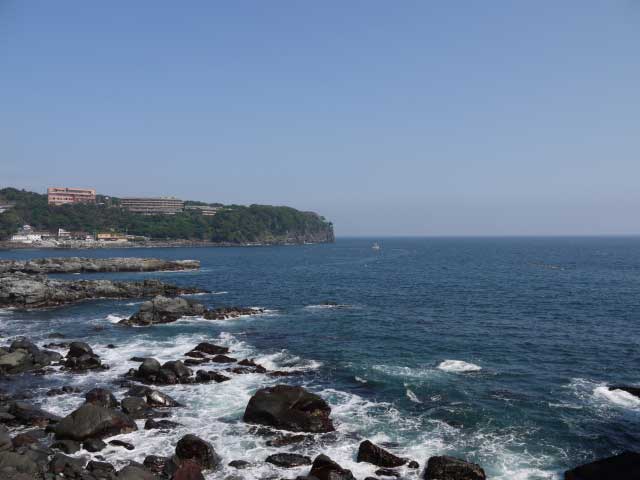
(458, 366)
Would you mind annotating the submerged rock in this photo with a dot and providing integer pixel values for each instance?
(289, 408)
(625, 466)
(371, 453)
(211, 349)
(450, 468)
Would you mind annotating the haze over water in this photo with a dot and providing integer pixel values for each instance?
(497, 350)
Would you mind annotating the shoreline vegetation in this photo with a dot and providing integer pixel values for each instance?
(36, 444)
(70, 225)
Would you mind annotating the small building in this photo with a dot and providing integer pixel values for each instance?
(205, 210)
(111, 237)
(153, 205)
(63, 195)
(28, 235)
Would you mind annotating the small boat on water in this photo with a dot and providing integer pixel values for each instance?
(375, 246)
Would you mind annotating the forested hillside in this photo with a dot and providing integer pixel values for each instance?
(233, 224)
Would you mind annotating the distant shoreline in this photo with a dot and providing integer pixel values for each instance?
(147, 244)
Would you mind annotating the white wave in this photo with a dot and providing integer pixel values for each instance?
(219, 293)
(412, 396)
(360, 379)
(113, 318)
(458, 366)
(617, 397)
(131, 304)
(407, 372)
(323, 306)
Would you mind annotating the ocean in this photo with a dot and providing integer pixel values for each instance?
(495, 350)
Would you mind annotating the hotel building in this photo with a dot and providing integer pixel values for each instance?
(63, 195)
(153, 205)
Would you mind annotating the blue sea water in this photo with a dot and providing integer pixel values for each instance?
(496, 350)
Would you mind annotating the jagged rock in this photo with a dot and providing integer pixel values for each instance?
(223, 359)
(211, 349)
(289, 408)
(101, 397)
(450, 468)
(191, 447)
(625, 466)
(180, 370)
(239, 464)
(27, 438)
(635, 391)
(77, 349)
(23, 355)
(163, 466)
(19, 463)
(102, 470)
(94, 265)
(66, 467)
(324, 468)
(93, 421)
(163, 310)
(230, 312)
(93, 445)
(30, 291)
(25, 414)
(133, 472)
(371, 453)
(288, 460)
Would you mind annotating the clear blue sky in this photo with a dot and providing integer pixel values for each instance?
(412, 117)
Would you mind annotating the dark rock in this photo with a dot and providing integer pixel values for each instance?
(191, 447)
(239, 464)
(625, 466)
(211, 349)
(66, 446)
(450, 468)
(370, 453)
(289, 408)
(101, 397)
(135, 407)
(77, 349)
(152, 424)
(120, 443)
(163, 466)
(149, 367)
(93, 421)
(226, 313)
(56, 335)
(288, 460)
(223, 359)
(324, 468)
(635, 391)
(66, 467)
(62, 391)
(284, 440)
(196, 354)
(413, 464)
(163, 310)
(204, 376)
(387, 472)
(83, 362)
(154, 398)
(178, 368)
(93, 265)
(134, 472)
(25, 414)
(138, 359)
(93, 445)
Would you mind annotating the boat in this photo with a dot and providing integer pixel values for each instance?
(375, 246)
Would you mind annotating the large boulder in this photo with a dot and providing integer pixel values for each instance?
(93, 421)
(450, 468)
(324, 468)
(371, 453)
(625, 466)
(289, 408)
(101, 397)
(211, 349)
(193, 448)
(164, 310)
(23, 355)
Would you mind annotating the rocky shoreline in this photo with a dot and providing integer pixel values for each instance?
(95, 265)
(38, 444)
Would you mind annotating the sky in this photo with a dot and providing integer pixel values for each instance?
(386, 117)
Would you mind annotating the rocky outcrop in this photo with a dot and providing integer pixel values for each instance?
(635, 391)
(324, 468)
(625, 466)
(20, 290)
(23, 355)
(166, 310)
(371, 453)
(94, 265)
(93, 421)
(450, 468)
(81, 358)
(289, 408)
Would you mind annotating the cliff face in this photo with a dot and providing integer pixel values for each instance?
(322, 236)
